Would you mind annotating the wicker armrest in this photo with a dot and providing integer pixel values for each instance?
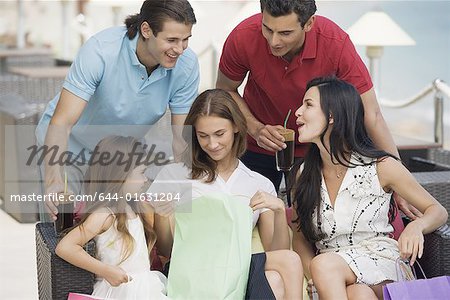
(439, 155)
(437, 184)
(56, 277)
(436, 259)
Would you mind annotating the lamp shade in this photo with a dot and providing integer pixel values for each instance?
(376, 28)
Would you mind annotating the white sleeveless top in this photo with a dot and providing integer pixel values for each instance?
(145, 284)
(357, 228)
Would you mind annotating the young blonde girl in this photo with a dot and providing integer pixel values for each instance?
(121, 229)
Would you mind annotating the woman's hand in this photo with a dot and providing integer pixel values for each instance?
(265, 200)
(410, 242)
(115, 275)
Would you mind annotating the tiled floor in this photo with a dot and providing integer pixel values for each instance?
(18, 279)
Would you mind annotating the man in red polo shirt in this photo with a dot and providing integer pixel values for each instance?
(281, 49)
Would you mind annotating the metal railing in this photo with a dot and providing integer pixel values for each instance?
(440, 90)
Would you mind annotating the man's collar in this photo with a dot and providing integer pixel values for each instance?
(310, 45)
(132, 45)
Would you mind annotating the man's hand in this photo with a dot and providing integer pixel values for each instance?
(268, 137)
(52, 206)
(409, 210)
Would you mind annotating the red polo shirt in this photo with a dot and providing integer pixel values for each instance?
(274, 86)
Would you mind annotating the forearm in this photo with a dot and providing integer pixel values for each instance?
(433, 217)
(66, 114)
(306, 253)
(77, 256)
(281, 239)
(376, 125)
(252, 123)
(380, 134)
(178, 146)
(178, 143)
(56, 141)
(163, 230)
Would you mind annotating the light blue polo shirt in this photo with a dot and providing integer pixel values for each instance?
(108, 75)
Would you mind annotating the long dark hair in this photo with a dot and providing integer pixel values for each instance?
(217, 103)
(348, 135)
(156, 12)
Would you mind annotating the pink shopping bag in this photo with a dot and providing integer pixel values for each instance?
(78, 296)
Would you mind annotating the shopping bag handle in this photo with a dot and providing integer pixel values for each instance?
(110, 289)
(405, 271)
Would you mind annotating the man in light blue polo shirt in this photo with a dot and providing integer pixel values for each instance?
(124, 76)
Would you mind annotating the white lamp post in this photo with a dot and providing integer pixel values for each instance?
(20, 36)
(375, 30)
(65, 16)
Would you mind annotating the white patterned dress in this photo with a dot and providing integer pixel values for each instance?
(357, 227)
(145, 284)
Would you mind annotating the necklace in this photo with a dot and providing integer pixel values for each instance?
(339, 173)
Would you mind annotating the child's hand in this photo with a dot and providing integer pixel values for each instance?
(265, 200)
(410, 242)
(115, 275)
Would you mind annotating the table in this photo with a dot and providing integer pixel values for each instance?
(410, 149)
(407, 143)
(35, 84)
(4, 54)
(38, 72)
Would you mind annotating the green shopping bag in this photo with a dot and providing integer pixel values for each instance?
(212, 250)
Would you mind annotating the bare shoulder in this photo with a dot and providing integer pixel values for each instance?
(99, 220)
(388, 164)
(389, 169)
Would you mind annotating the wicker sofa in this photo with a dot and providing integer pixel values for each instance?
(57, 277)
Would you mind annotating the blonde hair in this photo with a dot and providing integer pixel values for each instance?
(109, 179)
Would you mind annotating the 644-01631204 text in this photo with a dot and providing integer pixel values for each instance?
(153, 197)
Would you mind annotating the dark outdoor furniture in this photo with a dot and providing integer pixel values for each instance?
(56, 277)
(436, 256)
(436, 259)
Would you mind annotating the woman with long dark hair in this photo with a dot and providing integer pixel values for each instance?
(343, 198)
